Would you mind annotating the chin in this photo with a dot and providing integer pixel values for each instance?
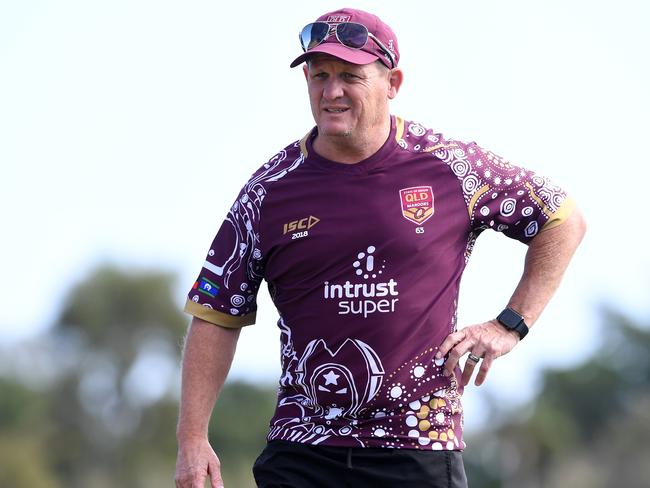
(346, 133)
(332, 131)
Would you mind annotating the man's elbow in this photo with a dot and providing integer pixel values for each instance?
(567, 234)
(571, 232)
(579, 224)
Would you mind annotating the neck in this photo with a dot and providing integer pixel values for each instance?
(348, 149)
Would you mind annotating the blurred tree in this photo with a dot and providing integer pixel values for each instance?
(587, 428)
(23, 453)
(20, 408)
(114, 412)
(238, 429)
(108, 415)
(116, 311)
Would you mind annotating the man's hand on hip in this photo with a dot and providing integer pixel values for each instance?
(488, 341)
(196, 462)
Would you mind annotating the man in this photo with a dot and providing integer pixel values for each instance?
(362, 230)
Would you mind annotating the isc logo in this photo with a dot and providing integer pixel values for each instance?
(302, 224)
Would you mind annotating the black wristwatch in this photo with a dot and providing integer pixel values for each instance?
(511, 320)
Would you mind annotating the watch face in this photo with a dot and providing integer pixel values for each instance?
(513, 321)
(510, 318)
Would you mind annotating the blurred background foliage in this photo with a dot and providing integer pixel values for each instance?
(92, 403)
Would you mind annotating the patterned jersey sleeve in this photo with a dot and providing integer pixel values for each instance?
(225, 291)
(509, 198)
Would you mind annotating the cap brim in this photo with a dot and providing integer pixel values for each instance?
(338, 50)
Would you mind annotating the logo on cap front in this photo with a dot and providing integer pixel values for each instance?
(337, 19)
(417, 203)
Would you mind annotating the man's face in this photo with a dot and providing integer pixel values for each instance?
(348, 100)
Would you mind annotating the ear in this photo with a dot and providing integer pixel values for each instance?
(305, 70)
(395, 79)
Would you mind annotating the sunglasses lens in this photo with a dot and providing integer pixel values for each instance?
(313, 34)
(352, 34)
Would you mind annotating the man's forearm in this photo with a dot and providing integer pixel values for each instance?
(547, 258)
(208, 354)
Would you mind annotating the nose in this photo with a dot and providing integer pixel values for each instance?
(333, 88)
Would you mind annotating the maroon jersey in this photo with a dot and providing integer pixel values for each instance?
(363, 262)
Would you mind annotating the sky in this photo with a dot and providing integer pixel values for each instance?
(128, 127)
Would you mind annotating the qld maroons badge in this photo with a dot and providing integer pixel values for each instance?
(417, 203)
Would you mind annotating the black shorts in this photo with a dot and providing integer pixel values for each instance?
(285, 464)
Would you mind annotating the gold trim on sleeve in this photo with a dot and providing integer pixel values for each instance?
(554, 218)
(560, 215)
(218, 318)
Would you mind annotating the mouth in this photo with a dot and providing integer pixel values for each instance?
(335, 110)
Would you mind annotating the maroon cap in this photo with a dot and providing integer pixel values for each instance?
(369, 53)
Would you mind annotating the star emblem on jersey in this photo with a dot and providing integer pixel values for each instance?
(330, 378)
(417, 203)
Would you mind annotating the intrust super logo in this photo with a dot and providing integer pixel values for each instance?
(374, 295)
(417, 203)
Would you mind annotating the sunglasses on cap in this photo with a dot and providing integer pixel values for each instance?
(350, 34)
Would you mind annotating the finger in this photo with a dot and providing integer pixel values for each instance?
(486, 364)
(450, 341)
(468, 370)
(215, 476)
(198, 484)
(187, 479)
(473, 359)
(455, 354)
(197, 481)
